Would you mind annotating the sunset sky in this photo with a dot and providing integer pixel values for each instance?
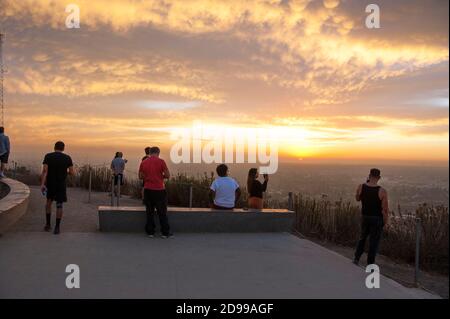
(308, 69)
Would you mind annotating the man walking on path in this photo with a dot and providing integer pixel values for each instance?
(4, 150)
(55, 168)
(153, 171)
(375, 214)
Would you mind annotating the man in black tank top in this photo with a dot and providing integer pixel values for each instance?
(375, 214)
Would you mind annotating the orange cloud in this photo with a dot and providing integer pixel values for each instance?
(295, 64)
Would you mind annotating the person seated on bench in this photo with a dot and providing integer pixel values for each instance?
(225, 191)
(256, 189)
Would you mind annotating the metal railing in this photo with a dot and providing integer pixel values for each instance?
(417, 257)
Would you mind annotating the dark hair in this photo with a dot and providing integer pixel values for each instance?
(154, 150)
(147, 150)
(222, 170)
(375, 172)
(117, 155)
(59, 146)
(251, 177)
(2, 129)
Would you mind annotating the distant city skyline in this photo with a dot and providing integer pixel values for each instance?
(308, 70)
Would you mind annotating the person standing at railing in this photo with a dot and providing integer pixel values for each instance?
(153, 171)
(4, 150)
(375, 215)
(224, 190)
(256, 189)
(147, 155)
(55, 168)
(118, 167)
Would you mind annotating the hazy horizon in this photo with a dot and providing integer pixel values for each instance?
(32, 157)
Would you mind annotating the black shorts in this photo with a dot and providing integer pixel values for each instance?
(4, 158)
(116, 179)
(57, 193)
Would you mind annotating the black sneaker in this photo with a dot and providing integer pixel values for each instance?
(56, 231)
(47, 228)
(167, 236)
(151, 236)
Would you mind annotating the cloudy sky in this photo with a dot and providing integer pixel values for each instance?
(309, 69)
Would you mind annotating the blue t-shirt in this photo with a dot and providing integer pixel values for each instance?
(4, 144)
(118, 165)
(225, 189)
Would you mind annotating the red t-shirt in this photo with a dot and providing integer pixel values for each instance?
(153, 168)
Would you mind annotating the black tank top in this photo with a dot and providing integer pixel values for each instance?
(371, 202)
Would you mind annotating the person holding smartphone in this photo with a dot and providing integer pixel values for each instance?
(256, 189)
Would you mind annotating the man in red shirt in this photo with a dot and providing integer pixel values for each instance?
(153, 171)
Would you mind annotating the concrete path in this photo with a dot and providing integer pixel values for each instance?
(79, 215)
(277, 265)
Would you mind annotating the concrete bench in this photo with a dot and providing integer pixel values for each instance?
(198, 220)
(14, 205)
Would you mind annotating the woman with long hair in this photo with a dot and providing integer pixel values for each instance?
(256, 189)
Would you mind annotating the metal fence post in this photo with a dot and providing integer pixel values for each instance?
(90, 184)
(112, 190)
(418, 235)
(290, 202)
(119, 182)
(190, 196)
(15, 169)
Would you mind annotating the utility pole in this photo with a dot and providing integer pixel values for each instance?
(2, 70)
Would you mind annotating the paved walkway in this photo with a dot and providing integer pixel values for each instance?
(79, 215)
(276, 265)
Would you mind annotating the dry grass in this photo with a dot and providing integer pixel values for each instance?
(178, 187)
(339, 222)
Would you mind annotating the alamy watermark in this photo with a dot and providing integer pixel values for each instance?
(373, 19)
(73, 279)
(73, 19)
(214, 144)
(373, 279)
